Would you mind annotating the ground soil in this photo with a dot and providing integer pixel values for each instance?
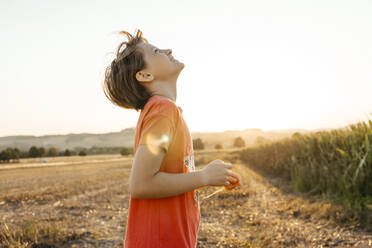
(87, 200)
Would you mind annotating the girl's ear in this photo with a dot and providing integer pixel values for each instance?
(144, 77)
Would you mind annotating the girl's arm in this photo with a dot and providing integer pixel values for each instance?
(146, 181)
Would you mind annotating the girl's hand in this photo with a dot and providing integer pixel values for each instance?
(217, 173)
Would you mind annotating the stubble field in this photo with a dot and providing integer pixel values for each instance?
(83, 202)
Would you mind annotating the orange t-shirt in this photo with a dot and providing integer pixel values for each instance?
(171, 221)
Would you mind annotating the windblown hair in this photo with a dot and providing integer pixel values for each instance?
(120, 85)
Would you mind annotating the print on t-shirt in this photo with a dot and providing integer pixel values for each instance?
(189, 159)
(190, 164)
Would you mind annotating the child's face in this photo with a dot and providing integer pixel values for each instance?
(160, 62)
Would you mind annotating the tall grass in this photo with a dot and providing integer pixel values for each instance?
(336, 163)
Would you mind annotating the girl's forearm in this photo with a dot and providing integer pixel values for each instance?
(164, 184)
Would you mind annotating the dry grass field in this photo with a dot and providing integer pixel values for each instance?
(83, 202)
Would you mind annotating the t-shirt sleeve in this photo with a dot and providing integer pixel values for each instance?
(157, 132)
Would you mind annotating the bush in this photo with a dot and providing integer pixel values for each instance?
(126, 151)
(67, 152)
(82, 153)
(52, 152)
(197, 144)
(260, 140)
(218, 146)
(5, 156)
(34, 152)
(10, 154)
(239, 142)
(104, 150)
(42, 152)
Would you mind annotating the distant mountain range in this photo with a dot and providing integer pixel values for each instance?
(70, 141)
(125, 137)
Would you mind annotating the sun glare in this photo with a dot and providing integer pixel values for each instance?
(154, 142)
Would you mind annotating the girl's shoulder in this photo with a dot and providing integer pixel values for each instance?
(159, 105)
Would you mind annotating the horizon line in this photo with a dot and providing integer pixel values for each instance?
(194, 131)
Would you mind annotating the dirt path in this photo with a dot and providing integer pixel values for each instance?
(260, 215)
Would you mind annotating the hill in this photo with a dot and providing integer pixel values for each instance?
(70, 141)
(125, 137)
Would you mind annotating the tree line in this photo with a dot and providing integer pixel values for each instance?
(198, 143)
(14, 154)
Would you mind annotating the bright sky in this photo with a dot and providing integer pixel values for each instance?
(248, 64)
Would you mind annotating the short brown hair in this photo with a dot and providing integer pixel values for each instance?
(120, 84)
